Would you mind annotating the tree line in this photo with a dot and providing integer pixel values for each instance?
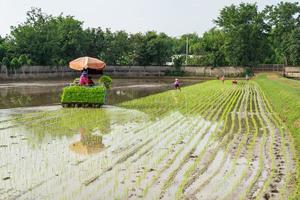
(243, 36)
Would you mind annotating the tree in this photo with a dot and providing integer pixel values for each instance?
(156, 49)
(282, 19)
(46, 38)
(118, 48)
(6, 62)
(245, 32)
(137, 43)
(244, 36)
(2, 48)
(71, 38)
(212, 47)
(193, 40)
(95, 42)
(294, 47)
(14, 64)
(23, 60)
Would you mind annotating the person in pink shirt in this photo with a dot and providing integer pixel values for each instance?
(177, 84)
(223, 79)
(84, 78)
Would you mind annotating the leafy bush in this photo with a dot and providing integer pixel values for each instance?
(106, 81)
(248, 71)
(178, 62)
(15, 63)
(81, 94)
(76, 81)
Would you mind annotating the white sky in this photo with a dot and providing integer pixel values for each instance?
(174, 17)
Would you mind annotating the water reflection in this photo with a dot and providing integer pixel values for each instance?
(21, 96)
(92, 123)
(88, 144)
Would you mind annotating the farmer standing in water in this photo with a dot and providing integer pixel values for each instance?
(223, 79)
(177, 84)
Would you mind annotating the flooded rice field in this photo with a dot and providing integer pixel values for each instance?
(40, 93)
(209, 141)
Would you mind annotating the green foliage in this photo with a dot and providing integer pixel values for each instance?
(294, 47)
(246, 40)
(23, 60)
(212, 45)
(2, 48)
(244, 36)
(282, 20)
(76, 81)
(46, 38)
(81, 94)
(248, 72)
(14, 63)
(153, 48)
(178, 62)
(193, 41)
(106, 81)
(6, 62)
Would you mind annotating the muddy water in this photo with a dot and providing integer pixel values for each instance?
(40, 93)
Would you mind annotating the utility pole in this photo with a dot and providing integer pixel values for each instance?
(186, 50)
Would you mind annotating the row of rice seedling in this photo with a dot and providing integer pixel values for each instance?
(190, 168)
(248, 173)
(210, 140)
(263, 158)
(243, 137)
(280, 142)
(225, 159)
(248, 148)
(190, 181)
(263, 161)
(103, 162)
(212, 134)
(286, 149)
(168, 181)
(41, 174)
(283, 96)
(270, 151)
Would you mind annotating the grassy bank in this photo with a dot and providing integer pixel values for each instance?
(284, 95)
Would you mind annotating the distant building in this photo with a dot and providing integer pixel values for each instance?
(189, 57)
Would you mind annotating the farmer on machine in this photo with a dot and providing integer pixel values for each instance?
(84, 78)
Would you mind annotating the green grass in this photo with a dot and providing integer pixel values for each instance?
(182, 101)
(284, 96)
(80, 94)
